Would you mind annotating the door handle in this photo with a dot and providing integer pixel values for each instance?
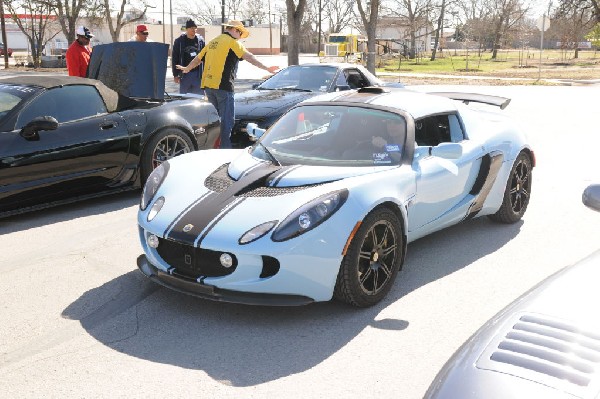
(108, 125)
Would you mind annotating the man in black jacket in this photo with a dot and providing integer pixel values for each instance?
(185, 49)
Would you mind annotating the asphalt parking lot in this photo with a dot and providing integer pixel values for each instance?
(79, 320)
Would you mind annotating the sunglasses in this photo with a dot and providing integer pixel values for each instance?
(144, 33)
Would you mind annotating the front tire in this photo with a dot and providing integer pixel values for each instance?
(370, 266)
(517, 192)
(161, 147)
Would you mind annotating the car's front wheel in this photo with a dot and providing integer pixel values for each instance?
(161, 147)
(372, 261)
(517, 192)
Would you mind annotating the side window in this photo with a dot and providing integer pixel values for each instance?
(355, 79)
(456, 133)
(65, 103)
(433, 130)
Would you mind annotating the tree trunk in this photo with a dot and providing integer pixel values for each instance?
(294, 19)
(440, 28)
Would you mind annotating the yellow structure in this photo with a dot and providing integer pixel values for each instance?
(348, 46)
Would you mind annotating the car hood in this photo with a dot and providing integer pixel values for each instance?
(509, 356)
(132, 69)
(260, 103)
(233, 192)
(294, 175)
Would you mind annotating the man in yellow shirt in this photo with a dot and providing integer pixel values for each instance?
(221, 57)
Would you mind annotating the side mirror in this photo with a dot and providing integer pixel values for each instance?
(342, 87)
(30, 130)
(447, 150)
(591, 197)
(254, 131)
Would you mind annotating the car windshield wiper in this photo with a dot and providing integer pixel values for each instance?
(273, 159)
(295, 89)
(263, 88)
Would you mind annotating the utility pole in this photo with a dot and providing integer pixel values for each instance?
(222, 15)
(319, 43)
(171, 19)
(270, 31)
(543, 28)
(3, 26)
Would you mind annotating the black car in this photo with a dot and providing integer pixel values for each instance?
(269, 100)
(546, 344)
(66, 138)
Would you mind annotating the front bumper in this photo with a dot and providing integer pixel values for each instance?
(192, 287)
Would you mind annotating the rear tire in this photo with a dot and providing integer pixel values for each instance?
(161, 147)
(372, 261)
(517, 192)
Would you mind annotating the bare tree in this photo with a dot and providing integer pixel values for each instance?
(368, 16)
(571, 28)
(591, 6)
(295, 13)
(257, 11)
(68, 14)
(204, 13)
(507, 13)
(439, 28)
(338, 14)
(37, 24)
(122, 17)
(416, 14)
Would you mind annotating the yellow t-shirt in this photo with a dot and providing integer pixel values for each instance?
(221, 57)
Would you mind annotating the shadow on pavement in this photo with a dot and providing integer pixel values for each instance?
(61, 213)
(243, 345)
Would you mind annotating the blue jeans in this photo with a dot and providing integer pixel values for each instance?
(223, 102)
(190, 83)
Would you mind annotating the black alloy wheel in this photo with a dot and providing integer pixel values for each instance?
(372, 261)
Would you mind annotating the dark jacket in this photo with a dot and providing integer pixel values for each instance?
(178, 54)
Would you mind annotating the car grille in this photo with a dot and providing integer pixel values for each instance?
(193, 262)
(219, 180)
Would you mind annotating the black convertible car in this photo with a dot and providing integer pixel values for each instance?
(67, 138)
(272, 98)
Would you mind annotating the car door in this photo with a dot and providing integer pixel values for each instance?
(85, 153)
(443, 184)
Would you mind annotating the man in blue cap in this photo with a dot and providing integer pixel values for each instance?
(185, 48)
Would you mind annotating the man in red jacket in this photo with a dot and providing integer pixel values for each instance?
(78, 54)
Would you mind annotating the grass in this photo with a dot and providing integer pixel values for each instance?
(524, 64)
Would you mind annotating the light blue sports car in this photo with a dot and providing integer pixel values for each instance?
(324, 203)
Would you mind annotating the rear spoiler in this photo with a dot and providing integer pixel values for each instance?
(501, 102)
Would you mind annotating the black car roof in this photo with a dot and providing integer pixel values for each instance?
(110, 97)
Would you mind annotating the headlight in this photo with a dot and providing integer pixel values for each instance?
(310, 215)
(153, 184)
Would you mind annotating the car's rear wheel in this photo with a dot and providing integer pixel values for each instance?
(517, 192)
(161, 147)
(372, 261)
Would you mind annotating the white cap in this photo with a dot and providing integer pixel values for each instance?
(83, 31)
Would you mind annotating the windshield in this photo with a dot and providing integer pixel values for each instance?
(334, 135)
(11, 96)
(302, 78)
(338, 39)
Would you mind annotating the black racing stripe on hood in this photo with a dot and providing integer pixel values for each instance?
(276, 177)
(186, 210)
(216, 205)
